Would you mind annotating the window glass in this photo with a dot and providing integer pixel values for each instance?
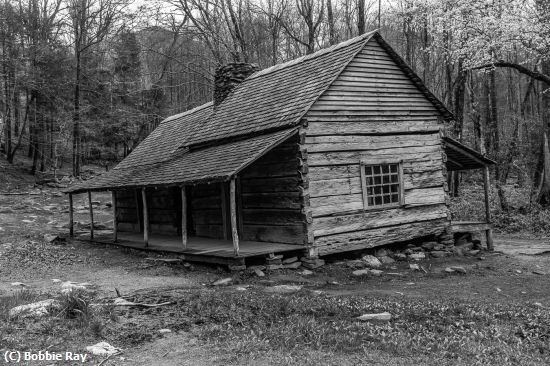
(382, 185)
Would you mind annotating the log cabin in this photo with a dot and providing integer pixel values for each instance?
(340, 150)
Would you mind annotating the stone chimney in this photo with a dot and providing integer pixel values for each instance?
(228, 77)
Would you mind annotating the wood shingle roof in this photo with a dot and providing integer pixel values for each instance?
(210, 143)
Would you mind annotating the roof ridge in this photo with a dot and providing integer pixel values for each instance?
(311, 56)
(187, 112)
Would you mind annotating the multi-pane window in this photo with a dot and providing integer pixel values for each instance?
(382, 185)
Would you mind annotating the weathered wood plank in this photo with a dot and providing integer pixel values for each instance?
(290, 234)
(341, 204)
(271, 200)
(406, 154)
(233, 214)
(272, 184)
(271, 217)
(469, 227)
(223, 208)
(327, 127)
(145, 218)
(388, 140)
(380, 236)
(335, 187)
(417, 168)
(282, 169)
(425, 196)
(331, 225)
(183, 217)
(402, 142)
(424, 179)
(91, 207)
(115, 218)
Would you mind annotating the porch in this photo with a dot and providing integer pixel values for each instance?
(198, 249)
(249, 208)
(460, 157)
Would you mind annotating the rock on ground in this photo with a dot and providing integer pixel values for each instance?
(69, 286)
(222, 282)
(35, 309)
(102, 349)
(371, 261)
(417, 256)
(283, 289)
(385, 316)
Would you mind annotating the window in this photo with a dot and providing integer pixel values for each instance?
(382, 184)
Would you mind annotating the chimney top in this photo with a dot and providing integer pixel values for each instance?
(227, 77)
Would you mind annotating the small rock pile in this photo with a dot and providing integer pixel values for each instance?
(279, 262)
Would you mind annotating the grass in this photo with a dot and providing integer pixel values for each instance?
(523, 216)
(253, 323)
(75, 324)
(18, 298)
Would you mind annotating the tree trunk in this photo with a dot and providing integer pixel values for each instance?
(330, 20)
(76, 119)
(544, 192)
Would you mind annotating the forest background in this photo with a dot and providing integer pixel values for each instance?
(84, 81)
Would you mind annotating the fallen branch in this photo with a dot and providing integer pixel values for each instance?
(123, 302)
(107, 359)
(20, 193)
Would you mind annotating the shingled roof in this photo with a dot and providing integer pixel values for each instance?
(267, 102)
(211, 164)
(279, 96)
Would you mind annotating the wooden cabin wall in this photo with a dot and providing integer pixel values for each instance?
(164, 210)
(271, 203)
(206, 207)
(127, 214)
(373, 111)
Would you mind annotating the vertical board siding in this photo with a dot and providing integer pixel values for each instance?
(270, 197)
(373, 112)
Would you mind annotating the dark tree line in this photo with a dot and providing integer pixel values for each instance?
(89, 79)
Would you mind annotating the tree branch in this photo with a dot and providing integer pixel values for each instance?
(521, 69)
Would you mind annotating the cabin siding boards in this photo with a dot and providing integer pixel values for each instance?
(206, 211)
(373, 112)
(270, 197)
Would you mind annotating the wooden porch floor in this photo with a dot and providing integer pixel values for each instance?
(198, 249)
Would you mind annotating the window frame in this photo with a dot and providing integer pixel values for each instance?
(401, 189)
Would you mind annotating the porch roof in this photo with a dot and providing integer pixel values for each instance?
(211, 164)
(462, 157)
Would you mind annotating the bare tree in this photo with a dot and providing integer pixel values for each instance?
(91, 22)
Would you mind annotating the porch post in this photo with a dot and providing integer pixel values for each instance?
(224, 209)
(136, 194)
(71, 215)
(145, 218)
(233, 208)
(115, 221)
(91, 215)
(489, 231)
(183, 218)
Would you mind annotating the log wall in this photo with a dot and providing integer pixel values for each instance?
(127, 214)
(163, 208)
(271, 201)
(373, 112)
(206, 206)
